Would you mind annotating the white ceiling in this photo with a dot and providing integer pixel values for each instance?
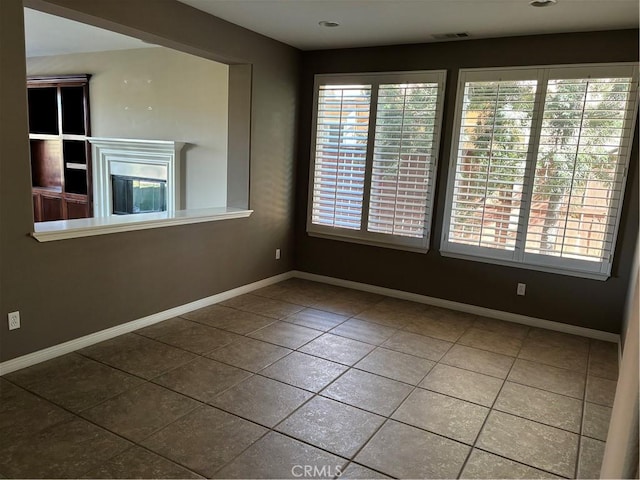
(388, 22)
(50, 35)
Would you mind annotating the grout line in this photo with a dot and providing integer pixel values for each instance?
(273, 428)
(355, 366)
(548, 391)
(545, 390)
(137, 445)
(584, 396)
(353, 462)
(140, 445)
(492, 409)
(484, 423)
(521, 463)
(132, 373)
(314, 395)
(388, 419)
(133, 443)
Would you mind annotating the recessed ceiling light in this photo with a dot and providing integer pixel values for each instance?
(542, 3)
(328, 24)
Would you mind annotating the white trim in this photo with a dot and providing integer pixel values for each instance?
(577, 68)
(88, 340)
(82, 342)
(464, 307)
(340, 237)
(88, 227)
(493, 260)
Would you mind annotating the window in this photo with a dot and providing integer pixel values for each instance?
(374, 157)
(538, 170)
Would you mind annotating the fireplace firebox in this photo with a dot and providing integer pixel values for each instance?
(138, 195)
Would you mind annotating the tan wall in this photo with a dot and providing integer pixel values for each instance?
(159, 94)
(70, 288)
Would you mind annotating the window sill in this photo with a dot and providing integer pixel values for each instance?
(528, 266)
(88, 227)
(418, 247)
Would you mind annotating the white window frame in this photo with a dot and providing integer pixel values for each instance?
(518, 257)
(363, 236)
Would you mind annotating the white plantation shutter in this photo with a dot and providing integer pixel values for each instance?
(403, 158)
(374, 155)
(491, 160)
(537, 179)
(577, 185)
(340, 156)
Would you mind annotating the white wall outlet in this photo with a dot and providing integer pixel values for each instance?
(14, 320)
(277, 254)
(522, 288)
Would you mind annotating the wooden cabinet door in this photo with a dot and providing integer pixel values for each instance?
(51, 208)
(37, 208)
(76, 208)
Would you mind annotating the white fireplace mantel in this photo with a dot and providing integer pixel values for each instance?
(161, 158)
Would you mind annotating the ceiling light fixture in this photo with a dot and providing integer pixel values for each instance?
(328, 24)
(542, 3)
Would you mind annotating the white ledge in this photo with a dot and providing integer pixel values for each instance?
(87, 227)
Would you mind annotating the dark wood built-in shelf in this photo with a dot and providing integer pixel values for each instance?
(46, 163)
(60, 153)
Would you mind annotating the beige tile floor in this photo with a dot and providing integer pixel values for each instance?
(303, 379)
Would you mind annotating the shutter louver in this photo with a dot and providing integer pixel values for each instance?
(493, 144)
(577, 185)
(403, 159)
(340, 155)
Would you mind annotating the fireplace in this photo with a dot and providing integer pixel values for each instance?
(135, 176)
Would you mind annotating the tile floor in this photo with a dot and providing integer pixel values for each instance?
(303, 379)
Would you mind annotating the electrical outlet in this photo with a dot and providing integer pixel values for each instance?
(277, 254)
(14, 320)
(522, 288)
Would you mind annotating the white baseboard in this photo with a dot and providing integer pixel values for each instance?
(82, 342)
(464, 307)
